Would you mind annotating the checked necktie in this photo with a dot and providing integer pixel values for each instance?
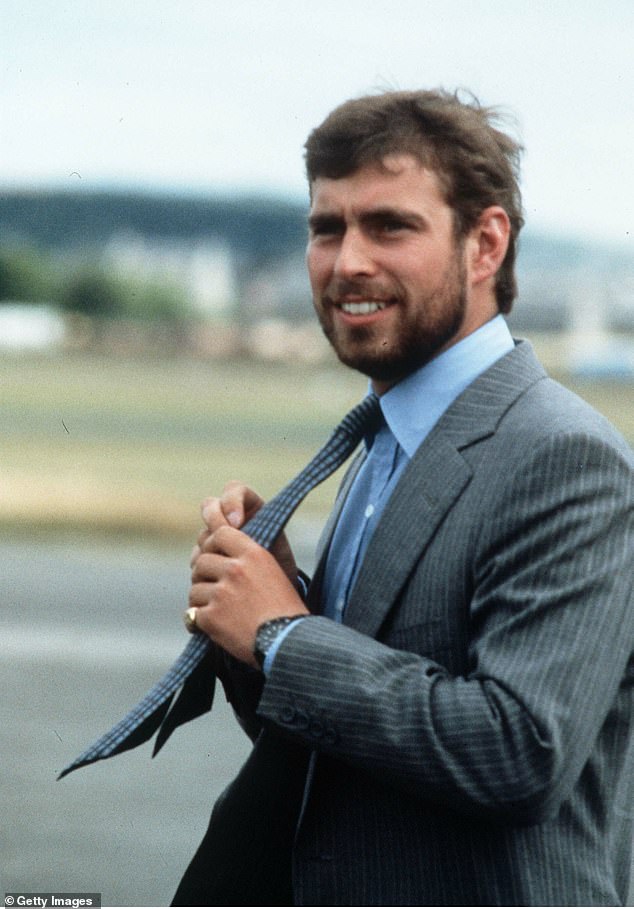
(198, 686)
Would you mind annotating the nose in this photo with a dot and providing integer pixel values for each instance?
(354, 256)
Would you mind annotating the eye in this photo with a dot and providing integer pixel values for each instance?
(391, 226)
(387, 224)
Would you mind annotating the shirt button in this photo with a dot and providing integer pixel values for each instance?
(369, 511)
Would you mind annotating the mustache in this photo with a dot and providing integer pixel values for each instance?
(368, 290)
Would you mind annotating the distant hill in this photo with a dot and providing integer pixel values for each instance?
(254, 228)
(260, 227)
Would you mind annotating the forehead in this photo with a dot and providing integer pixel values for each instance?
(397, 181)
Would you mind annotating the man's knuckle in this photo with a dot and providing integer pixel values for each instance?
(222, 534)
(234, 571)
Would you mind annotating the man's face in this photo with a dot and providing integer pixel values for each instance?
(388, 279)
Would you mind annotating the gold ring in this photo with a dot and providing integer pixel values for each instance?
(189, 618)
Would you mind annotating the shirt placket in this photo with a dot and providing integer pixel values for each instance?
(380, 468)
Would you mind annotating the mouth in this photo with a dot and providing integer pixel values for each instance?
(362, 307)
(357, 308)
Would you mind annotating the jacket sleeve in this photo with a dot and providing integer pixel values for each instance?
(551, 632)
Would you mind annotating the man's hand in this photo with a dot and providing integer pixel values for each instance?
(234, 508)
(237, 585)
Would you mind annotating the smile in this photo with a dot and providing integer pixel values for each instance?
(363, 307)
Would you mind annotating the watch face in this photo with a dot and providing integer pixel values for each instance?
(267, 633)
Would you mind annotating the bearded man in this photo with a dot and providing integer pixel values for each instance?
(441, 716)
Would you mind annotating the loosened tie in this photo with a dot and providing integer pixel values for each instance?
(265, 526)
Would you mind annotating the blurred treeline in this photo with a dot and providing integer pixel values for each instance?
(87, 288)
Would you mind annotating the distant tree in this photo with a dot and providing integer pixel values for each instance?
(93, 292)
(152, 301)
(25, 276)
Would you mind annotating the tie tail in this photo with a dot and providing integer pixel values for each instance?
(119, 739)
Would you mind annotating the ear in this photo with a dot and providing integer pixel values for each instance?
(487, 243)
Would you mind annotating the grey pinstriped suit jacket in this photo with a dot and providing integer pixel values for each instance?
(471, 719)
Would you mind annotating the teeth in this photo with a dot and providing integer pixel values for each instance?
(363, 308)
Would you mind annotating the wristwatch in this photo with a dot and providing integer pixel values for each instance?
(267, 633)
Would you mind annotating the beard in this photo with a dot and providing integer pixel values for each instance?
(418, 334)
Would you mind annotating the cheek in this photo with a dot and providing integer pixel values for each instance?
(319, 267)
(424, 275)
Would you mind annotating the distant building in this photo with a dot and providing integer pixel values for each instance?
(25, 326)
(279, 290)
(204, 269)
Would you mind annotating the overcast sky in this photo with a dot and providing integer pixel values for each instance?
(220, 94)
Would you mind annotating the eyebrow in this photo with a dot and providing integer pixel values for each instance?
(371, 217)
(323, 220)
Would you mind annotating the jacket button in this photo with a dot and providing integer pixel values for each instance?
(287, 715)
(331, 736)
(316, 729)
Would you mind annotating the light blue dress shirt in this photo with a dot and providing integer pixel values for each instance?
(411, 409)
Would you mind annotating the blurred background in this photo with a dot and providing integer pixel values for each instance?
(157, 339)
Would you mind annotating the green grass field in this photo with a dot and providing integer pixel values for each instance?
(121, 446)
(116, 445)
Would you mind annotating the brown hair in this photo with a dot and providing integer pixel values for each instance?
(477, 164)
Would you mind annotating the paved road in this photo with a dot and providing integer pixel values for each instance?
(84, 631)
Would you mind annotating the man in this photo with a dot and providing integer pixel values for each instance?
(444, 718)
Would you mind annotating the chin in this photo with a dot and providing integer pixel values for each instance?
(391, 366)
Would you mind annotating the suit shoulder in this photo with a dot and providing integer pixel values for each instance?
(548, 408)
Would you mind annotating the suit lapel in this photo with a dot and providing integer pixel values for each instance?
(431, 483)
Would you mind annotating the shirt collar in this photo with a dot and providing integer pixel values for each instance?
(414, 405)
